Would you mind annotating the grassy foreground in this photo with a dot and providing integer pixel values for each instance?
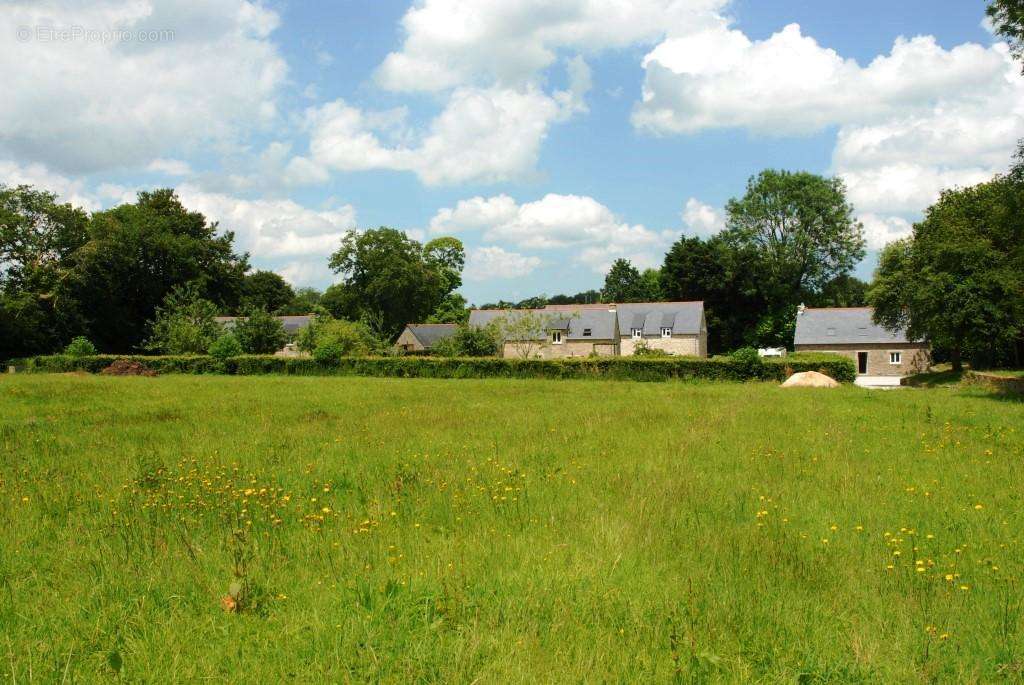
(267, 529)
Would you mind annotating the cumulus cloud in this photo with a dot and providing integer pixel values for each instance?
(273, 228)
(555, 222)
(37, 175)
(492, 262)
(449, 43)
(484, 135)
(701, 219)
(910, 123)
(206, 71)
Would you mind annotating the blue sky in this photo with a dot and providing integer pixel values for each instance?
(551, 137)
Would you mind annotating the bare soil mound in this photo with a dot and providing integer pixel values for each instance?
(810, 379)
(127, 367)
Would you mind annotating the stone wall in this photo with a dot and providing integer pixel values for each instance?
(682, 345)
(408, 341)
(916, 358)
(569, 348)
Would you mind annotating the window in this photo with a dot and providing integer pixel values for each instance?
(637, 333)
(586, 332)
(556, 337)
(831, 332)
(895, 358)
(666, 332)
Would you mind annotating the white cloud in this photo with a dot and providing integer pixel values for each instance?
(81, 105)
(273, 228)
(879, 231)
(910, 123)
(483, 135)
(490, 263)
(555, 222)
(449, 43)
(67, 190)
(169, 167)
(789, 84)
(702, 220)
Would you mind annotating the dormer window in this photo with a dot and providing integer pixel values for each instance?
(637, 333)
(586, 332)
(831, 332)
(556, 337)
(666, 332)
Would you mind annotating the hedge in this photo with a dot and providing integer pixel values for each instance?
(623, 368)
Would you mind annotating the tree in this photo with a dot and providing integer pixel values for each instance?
(260, 332)
(842, 291)
(306, 301)
(184, 323)
(391, 280)
(958, 282)
(38, 312)
(624, 283)
(524, 329)
(348, 338)
(225, 346)
(1007, 17)
(266, 290)
(801, 226)
(137, 254)
(453, 309)
(720, 275)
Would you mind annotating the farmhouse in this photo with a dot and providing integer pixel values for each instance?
(882, 356)
(419, 337)
(558, 331)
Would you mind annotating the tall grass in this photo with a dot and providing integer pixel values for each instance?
(266, 529)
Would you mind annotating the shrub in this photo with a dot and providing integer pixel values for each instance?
(184, 323)
(328, 353)
(642, 349)
(80, 347)
(353, 338)
(225, 346)
(260, 332)
(469, 341)
(329, 362)
(749, 361)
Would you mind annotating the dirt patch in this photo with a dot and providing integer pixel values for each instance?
(810, 379)
(127, 367)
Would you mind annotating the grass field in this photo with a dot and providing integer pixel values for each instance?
(274, 529)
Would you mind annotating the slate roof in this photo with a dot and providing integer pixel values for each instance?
(291, 324)
(843, 326)
(682, 317)
(429, 333)
(600, 322)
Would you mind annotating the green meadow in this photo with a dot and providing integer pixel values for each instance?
(272, 529)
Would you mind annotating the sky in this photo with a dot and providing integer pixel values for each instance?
(550, 136)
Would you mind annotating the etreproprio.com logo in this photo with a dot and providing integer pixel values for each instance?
(82, 34)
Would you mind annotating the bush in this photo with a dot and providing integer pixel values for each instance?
(329, 363)
(469, 341)
(749, 360)
(642, 349)
(328, 353)
(352, 338)
(225, 346)
(184, 323)
(260, 332)
(80, 347)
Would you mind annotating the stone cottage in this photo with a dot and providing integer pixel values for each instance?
(882, 356)
(420, 337)
(559, 331)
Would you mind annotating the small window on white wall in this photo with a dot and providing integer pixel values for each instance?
(637, 333)
(666, 332)
(895, 357)
(556, 337)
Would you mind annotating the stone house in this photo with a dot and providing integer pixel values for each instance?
(882, 356)
(604, 330)
(420, 337)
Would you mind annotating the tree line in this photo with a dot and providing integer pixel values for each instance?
(152, 275)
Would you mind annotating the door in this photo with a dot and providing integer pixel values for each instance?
(862, 363)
